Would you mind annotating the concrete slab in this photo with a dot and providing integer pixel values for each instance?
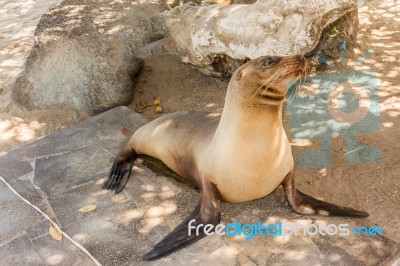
(64, 172)
(60, 252)
(19, 251)
(11, 168)
(53, 174)
(15, 216)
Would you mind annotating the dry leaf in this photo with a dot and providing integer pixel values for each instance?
(157, 101)
(139, 108)
(88, 208)
(55, 233)
(158, 109)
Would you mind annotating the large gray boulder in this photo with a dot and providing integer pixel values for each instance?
(218, 38)
(83, 58)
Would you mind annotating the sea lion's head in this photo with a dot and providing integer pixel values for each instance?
(265, 80)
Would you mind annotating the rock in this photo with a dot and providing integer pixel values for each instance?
(226, 35)
(343, 29)
(83, 58)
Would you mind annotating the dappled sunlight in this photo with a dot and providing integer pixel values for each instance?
(105, 18)
(150, 203)
(167, 192)
(17, 25)
(101, 181)
(158, 203)
(117, 198)
(161, 128)
(17, 129)
(323, 172)
(73, 10)
(94, 198)
(137, 169)
(239, 238)
(364, 103)
(298, 255)
(391, 105)
(148, 187)
(213, 115)
(115, 29)
(393, 113)
(155, 215)
(148, 195)
(102, 191)
(334, 257)
(388, 124)
(226, 251)
(55, 259)
(165, 208)
(127, 217)
(301, 142)
(150, 224)
(80, 237)
(393, 74)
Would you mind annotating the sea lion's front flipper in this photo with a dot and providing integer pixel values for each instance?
(207, 211)
(121, 170)
(304, 204)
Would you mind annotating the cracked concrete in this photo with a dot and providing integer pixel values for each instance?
(64, 172)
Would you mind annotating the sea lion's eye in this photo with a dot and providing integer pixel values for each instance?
(267, 62)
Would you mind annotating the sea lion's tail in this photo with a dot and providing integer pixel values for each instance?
(126, 132)
(306, 205)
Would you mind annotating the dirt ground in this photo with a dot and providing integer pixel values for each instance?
(371, 187)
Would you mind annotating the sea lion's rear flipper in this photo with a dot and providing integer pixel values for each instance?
(207, 211)
(121, 170)
(306, 205)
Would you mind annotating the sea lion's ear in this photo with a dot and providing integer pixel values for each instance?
(238, 76)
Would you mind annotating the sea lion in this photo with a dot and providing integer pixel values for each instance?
(240, 155)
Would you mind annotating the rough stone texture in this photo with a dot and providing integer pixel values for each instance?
(11, 253)
(68, 169)
(343, 29)
(230, 33)
(83, 58)
(17, 17)
(15, 215)
(60, 253)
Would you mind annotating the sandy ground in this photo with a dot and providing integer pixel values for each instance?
(371, 187)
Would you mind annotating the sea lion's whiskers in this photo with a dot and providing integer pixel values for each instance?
(277, 73)
(266, 87)
(264, 84)
(302, 80)
(299, 85)
(270, 80)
